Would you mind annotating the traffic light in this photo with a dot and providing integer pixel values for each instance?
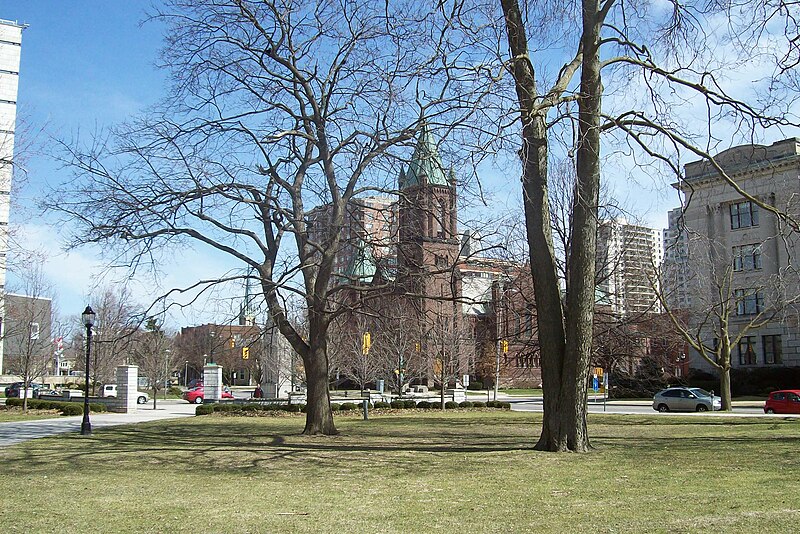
(232, 342)
(416, 347)
(245, 353)
(366, 343)
(504, 345)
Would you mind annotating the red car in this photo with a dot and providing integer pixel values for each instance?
(784, 401)
(196, 394)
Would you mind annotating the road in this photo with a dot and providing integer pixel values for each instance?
(17, 432)
(534, 404)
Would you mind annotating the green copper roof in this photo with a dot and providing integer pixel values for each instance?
(362, 268)
(425, 166)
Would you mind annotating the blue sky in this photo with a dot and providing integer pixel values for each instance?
(86, 64)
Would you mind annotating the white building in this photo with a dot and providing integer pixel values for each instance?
(742, 258)
(10, 47)
(629, 257)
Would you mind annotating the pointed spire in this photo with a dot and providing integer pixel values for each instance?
(246, 315)
(362, 268)
(425, 166)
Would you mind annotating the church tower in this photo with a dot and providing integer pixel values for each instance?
(428, 234)
(427, 254)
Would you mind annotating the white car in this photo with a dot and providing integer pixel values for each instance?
(110, 390)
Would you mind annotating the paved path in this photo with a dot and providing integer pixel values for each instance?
(17, 432)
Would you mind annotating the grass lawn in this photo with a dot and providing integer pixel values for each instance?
(428, 472)
(12, 413)
(522, 392)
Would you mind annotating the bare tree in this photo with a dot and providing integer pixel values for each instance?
(153, 353)
(398, 339)
(276, 106)
(361, 361)
(669, 57)
(118, 319)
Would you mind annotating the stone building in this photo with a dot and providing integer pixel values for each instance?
(741, 250)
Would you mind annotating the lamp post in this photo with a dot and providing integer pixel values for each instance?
(87, 317)
(186, 375)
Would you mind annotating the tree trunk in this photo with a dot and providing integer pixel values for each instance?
(572, 432)
(319, 417)
(725, 387)
(565, 336)
(539, 233)
(724, 366)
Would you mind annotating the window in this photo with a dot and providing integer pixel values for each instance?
(772, 349)
(749, 301)
(34, 330)
(743, 215)
(779, 396)
(747, 258)
(747, 352)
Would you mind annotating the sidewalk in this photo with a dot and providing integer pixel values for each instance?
(17, 432)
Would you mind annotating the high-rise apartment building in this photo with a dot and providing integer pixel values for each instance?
(629, 257)
(369, 222)
(743, 252)
(675, 269)
(10, 47)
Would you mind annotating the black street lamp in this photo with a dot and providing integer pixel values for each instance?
(87, 317)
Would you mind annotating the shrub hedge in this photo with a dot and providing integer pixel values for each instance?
(72, 408)
(205, 409)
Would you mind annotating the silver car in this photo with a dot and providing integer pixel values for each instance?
(681, 399)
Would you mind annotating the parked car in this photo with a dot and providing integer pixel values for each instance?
(783, 401)
(197, 394)
(110, 390)
(683, 399)
(12, 390)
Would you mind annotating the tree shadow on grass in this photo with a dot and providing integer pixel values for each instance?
(231, 444)
(243, 443)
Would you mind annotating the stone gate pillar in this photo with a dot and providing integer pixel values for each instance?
(212, 383)
(127, 388)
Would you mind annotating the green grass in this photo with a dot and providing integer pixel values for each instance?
(432, 472)
(523, 392)
(12, 414)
